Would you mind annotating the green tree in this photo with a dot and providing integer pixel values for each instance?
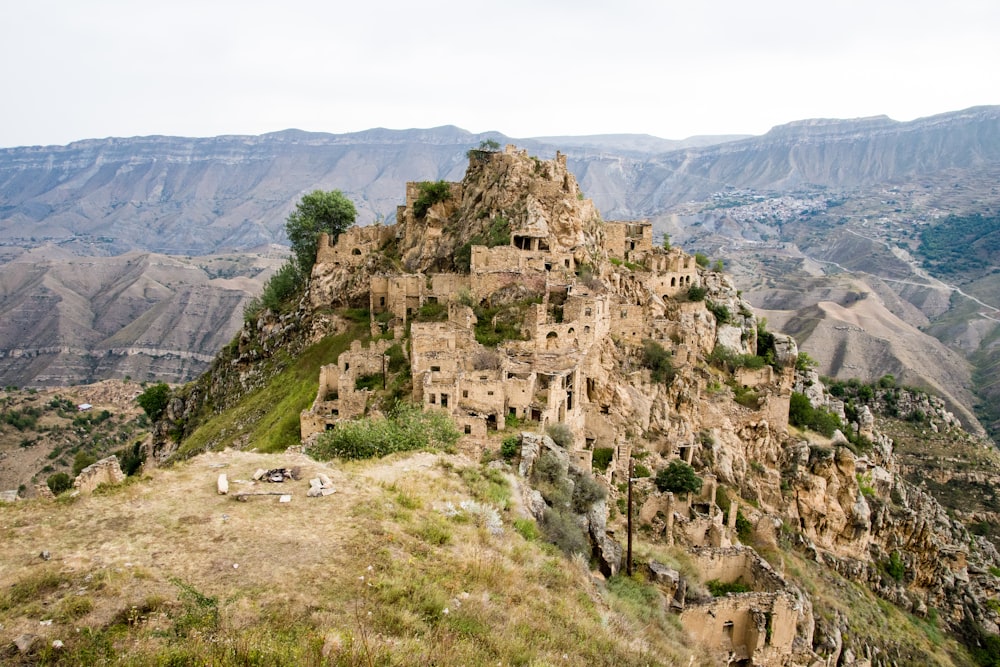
(678, 477)
(59, 482)
(154, 400)
(317, 212)
(666, 241)
(701, 259)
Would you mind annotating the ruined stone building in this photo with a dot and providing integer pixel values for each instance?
(591, 281)
(507, 297)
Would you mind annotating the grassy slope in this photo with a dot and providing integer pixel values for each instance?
(268, 419)
(165, 571)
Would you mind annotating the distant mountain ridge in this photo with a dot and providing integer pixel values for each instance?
(183, 197)
(198, 196)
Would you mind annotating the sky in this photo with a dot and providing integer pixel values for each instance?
(74, 70)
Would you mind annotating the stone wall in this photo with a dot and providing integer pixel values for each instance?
(105, 471)
(759, 627)
(353, 246)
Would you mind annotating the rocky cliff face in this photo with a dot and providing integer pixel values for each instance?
(843, 501)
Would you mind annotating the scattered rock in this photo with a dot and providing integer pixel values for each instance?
(223, 485)
(25, 642)
(320, 486)
(661, 574)
(285, 498)
(45, 555)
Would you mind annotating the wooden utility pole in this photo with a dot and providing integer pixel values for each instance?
(628, 557)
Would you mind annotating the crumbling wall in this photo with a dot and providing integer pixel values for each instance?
(353, 246)
(105, 471)
(759, 627)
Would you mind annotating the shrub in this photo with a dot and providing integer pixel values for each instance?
(509, 447)
(696, 293)
(586, 491)
(154, 400)
(801, 413)
(551, 482)
(560, 434)
(59, 482)
(678, 477)
(431, 192)
(527, 529)
(371, 381)
(657, 360)
(407, 428)
(397, 358)
(602, 458)
(894, 566)
(718, 588)
(721, 312)
(131, 458)
(701, 259)
(744, 529)
(282, 286)
(563, 530)
(804, 362)
(431, 311)
(82, 460)
(639, 470)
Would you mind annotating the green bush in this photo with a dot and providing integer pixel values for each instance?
(801, 413)
(718, 588)
(59, 482)
(721, 312)
(431, 192)
(82, 460)
(131, 458)
(510, 446)
(602, 458)
(527, 528)
(658, 360)
(154, 400)
(372, 381)
(406, 428)
(701, 259)
(678, 477)
(894, 566)
(744, 529)
(397, 358)
(282, 286)
(432, 311)
(696, 293)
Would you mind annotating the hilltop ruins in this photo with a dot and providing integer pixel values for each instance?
(507, 299)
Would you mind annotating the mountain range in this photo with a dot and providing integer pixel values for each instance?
(134, 256)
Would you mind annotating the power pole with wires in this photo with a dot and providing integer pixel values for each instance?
(628, 557)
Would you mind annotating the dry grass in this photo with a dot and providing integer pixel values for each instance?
(167, 571)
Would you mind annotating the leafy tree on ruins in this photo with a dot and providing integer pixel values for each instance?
(154, 400)
(317, 212)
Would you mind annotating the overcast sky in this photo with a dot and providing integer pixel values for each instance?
(75, 69)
